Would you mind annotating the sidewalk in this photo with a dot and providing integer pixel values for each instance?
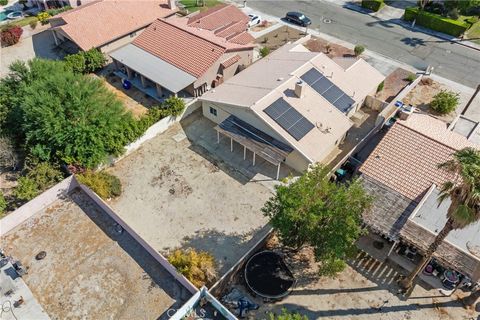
(394, 15)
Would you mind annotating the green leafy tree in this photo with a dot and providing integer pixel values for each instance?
(464, 210)
(286, 315)
(445, 101)
(64, 116)
(325, 215)
(3, 204)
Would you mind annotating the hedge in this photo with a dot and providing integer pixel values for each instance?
(373, 5)
(435, 22)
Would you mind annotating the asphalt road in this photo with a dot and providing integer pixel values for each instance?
(451, 61)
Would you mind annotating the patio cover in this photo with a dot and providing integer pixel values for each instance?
(153, 68)
(255, 140)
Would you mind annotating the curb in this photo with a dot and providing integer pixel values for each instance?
(400, 22)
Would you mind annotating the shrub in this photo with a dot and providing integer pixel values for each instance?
(76, 62)
(86, 61)
(264, 52)
(411, 77)
(373, 5)
(26, 189)
(436, 22)
(359, 49)
(473, 11)
(102, 183)
(445, 102)
(11, 36)
(3, 204)
(43, 17)
(285, 315)
(8, 156)
(198, 267)
(33, 24)
(54, 12)
(380, 86)
(3, 2)
(453, 14)
(173, 106)
(45, 175)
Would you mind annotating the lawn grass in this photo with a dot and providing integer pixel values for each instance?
(474, 33)
(21, 22)
(191, 5)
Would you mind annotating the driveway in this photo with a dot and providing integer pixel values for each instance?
(39, 45)
(177, 194)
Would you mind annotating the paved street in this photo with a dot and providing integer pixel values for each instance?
(452, 61)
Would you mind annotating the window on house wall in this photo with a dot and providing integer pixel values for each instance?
(213, 111)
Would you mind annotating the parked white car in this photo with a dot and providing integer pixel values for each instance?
(254, 20)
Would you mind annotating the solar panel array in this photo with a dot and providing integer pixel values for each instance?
(328, 90)
(289, 118)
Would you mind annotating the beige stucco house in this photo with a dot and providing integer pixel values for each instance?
(189, 54)
(294, 98)
(107, 24)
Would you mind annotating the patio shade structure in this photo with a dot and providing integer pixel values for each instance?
(151, 67)
(255, 140)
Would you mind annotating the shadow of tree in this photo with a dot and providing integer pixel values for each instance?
(227, 248)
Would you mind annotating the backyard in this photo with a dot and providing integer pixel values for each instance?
(278, 37)
(365, 290)
(196, 5)
(181, 189)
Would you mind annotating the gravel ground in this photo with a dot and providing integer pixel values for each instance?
(176, 194)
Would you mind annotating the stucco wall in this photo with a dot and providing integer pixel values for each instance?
(40, 202)
(109, 47)
(211, 74)
(297, 161)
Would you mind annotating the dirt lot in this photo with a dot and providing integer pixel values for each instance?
(90, 270)
(334, 50)
(366, 290)
(278, 37)
(423, 93)
(393, 84)
(177, 194)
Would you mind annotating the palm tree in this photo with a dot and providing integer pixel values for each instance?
(464, 209)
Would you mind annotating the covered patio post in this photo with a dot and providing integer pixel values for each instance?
(253, 158)
(218, 137)
(231, 145)
(278, 170)
(244, 152)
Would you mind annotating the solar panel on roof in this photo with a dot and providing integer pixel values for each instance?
(328, 90)
(311, 76)
(289, 118)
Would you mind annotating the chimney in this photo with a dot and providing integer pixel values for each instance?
(171, 4)
(299, 88)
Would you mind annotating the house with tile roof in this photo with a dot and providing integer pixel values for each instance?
(402, 175)
(293, 106)
(187, 55)
(107, 24)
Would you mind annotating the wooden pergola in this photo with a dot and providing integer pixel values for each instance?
(260, 143)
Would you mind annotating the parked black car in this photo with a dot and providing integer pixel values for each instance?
(298, 18)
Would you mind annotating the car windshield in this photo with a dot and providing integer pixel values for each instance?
(301, 17)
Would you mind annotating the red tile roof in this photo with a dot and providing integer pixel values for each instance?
(184, 43)
(217, 17)
(97, 23)
(231, 61)
(182, 49)
(406, 159)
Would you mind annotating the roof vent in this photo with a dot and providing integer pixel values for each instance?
(280, 79)
(299, 89)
